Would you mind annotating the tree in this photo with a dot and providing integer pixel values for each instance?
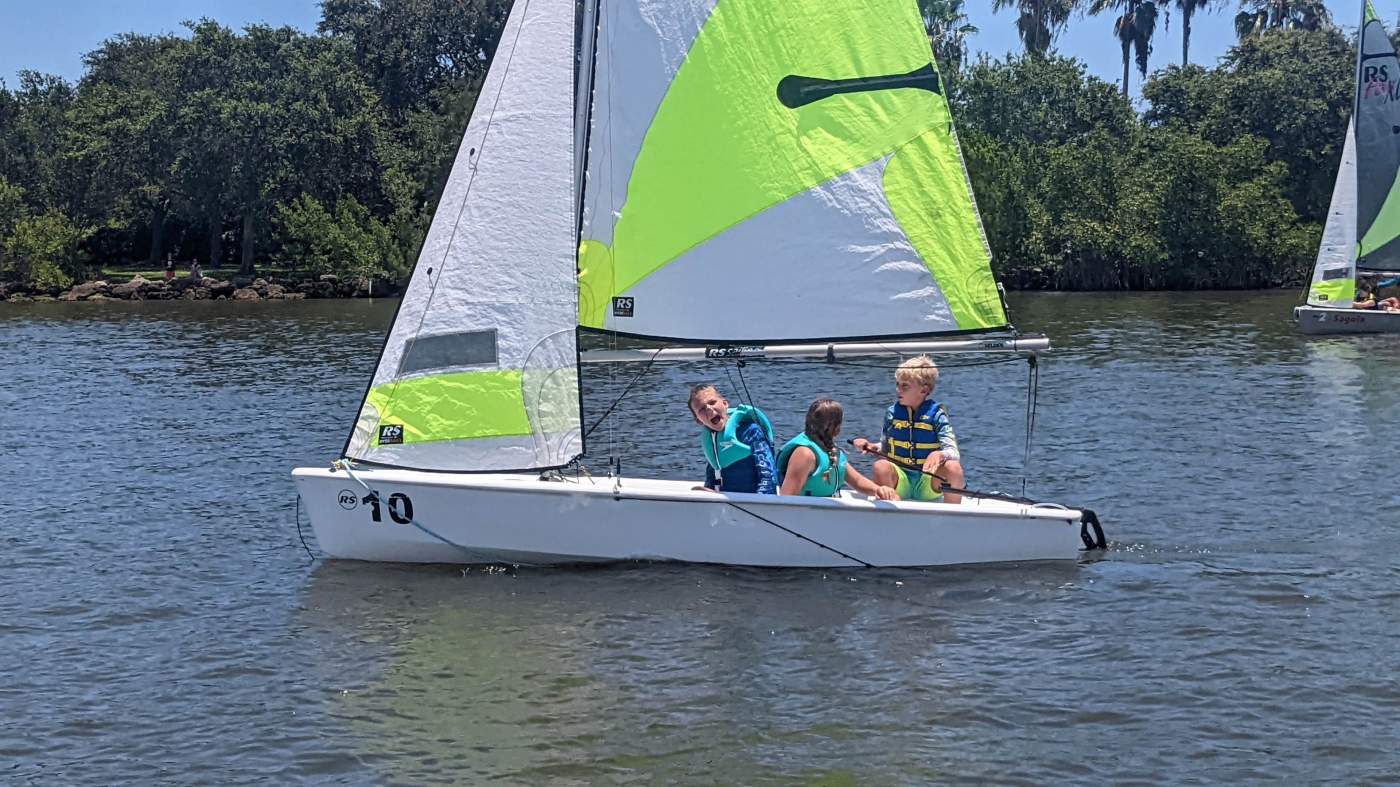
(44, 250)
(1038, 21)
(1188, 9)
(124, 126)
(1257, 16)
(948, 29)
(271, 114)
(1134, 27)
(1292, 89)
(410, 48)
(34, 155)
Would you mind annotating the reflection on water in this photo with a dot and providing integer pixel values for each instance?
(161, 624)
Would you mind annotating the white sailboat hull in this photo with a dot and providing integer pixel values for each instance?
(1314, 320)
(521, 519)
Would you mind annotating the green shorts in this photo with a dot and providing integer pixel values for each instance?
(913, 485)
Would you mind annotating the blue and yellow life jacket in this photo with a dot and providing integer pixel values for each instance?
(913, 433)
(723, 449)
(822, 482)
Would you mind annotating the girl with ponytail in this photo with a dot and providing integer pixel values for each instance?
(811, 464)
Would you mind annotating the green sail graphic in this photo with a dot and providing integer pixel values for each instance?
(1378, 146)
(776, 99)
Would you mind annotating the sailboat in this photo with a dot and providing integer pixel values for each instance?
(1361, 241)
(734, 179)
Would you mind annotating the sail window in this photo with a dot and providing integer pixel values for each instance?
(450, 351)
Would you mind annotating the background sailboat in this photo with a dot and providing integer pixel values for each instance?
(1361, 240)
(752, 171)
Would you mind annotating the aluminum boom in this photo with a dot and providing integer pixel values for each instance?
(1028, 345)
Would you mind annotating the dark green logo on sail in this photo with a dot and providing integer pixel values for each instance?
(798, 91)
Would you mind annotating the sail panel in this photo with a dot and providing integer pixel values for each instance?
(1377, 145)
(1334, 275)
(776, 156)
(479, 370)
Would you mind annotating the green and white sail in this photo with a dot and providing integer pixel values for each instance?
(1377, 119)
(776, 170)
(479, 371)
(1334, 275)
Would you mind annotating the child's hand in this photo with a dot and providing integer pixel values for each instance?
(885, 493)
(861, 444)
(934, 460)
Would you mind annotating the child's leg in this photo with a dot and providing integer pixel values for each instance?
(886, 474)
(953, 471)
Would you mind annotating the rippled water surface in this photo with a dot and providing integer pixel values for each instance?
(160, 623)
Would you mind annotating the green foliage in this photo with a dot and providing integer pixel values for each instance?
(44, 250)
(413, 47)
(346, 242)
(12, 207)
(1038, 21)
(1290, 88)
(327, 152)
(1075, 193)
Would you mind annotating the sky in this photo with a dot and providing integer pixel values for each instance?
(52, 35)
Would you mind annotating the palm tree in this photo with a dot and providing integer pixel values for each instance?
(1189, 7)
(1136, 22)
(948, 31)
(1039, 21)
(1256, 16)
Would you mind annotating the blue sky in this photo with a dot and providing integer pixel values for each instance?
(52, 36)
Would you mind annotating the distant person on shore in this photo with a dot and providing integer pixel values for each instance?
(169, 267)
(196, 273)
(737, 442)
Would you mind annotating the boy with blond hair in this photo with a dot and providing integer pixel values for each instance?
(917, 435)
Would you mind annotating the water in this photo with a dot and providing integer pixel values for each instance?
(161, 624)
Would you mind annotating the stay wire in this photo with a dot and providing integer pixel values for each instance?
(1032, 397)
(790, 531)
(620, 397)
(309, 553)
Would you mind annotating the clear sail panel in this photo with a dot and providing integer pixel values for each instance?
(776, 170)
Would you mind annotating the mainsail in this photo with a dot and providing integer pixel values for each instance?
(776, 170)
(479, 371)
(1377, 146)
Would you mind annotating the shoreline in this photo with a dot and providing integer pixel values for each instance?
(205, 288)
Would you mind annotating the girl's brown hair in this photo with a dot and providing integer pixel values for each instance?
(823, 422)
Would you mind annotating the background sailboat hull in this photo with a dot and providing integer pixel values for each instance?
(1316, 321)
(519, 519)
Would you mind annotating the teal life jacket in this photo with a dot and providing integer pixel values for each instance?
(723, 449)
(821, 483)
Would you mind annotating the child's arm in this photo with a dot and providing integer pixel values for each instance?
(865, 486)
(801, 463)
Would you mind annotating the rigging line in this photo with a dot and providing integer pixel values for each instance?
(1032, 396)
(476, 557)
(621, 396)
(309, 553)
(471, 179)
(739, 365)
(833, 550)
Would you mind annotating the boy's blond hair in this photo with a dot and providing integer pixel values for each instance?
(919, 370)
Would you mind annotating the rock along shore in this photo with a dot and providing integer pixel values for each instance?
(203, 289)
